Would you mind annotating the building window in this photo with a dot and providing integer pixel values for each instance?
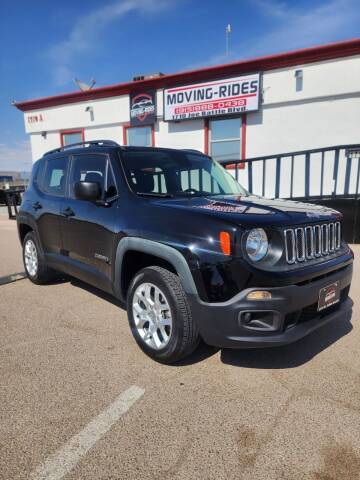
(299, 80)
(73, 136)
(225, 139)
(139, 136)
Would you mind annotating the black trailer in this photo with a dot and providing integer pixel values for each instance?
(11, 197)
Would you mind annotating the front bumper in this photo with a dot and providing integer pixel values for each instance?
(292, 307)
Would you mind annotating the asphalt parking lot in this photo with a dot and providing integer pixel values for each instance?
(79, 400)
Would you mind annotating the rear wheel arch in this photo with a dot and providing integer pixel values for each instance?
(35, 264)
(24, 229)
(26, 225)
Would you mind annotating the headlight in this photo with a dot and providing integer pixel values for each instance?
(257, 244)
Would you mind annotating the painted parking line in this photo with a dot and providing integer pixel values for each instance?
(67, 457)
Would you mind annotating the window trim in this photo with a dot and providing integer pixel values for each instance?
(127, 126)
(242, 135)
(67, 132)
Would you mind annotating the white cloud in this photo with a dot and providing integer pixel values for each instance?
(296, 28)
(16, 156)
(87, 30)
(293, 27)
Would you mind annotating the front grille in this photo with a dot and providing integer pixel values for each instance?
(312, 241)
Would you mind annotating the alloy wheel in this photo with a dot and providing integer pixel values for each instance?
(31, 258)
(152, 315)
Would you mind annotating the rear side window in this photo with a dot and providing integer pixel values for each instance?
(36, 172)
(55, 176)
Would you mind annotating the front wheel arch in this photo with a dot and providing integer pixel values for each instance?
(134, 261)
(174, 260)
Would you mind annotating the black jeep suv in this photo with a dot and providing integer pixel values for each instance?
(191, 252)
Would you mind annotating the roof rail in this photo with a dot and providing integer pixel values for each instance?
(192, 150)
(99, 143)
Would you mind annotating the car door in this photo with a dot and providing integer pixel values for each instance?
(48, 204)
(88, 227)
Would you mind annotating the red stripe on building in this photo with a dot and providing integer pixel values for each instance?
(260, 64)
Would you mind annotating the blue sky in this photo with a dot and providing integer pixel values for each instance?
(46, 44)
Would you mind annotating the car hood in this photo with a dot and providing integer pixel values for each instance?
(253, 210)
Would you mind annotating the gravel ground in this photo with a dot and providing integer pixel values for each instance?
(66, 353)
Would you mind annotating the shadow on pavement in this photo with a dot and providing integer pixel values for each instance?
(294, 354)
(95, 291)
(288, 356)
(201, 353)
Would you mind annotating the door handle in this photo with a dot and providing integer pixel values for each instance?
(68, 212)
(36, 205)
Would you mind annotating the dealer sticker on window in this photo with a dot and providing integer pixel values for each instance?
(328, 296)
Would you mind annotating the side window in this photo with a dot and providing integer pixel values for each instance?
(55, 176)
(88, 167)
(36, 172)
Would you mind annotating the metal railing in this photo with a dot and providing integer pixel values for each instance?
(317, 173)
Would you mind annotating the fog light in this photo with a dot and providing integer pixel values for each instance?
(258, 295)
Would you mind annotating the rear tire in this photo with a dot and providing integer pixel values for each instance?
(160, 317)
(35, 265)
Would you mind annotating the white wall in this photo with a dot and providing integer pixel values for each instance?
(331, 77)
(323, 114)
(107, 111)
(40, 145)
(188, 134)
(308, 125)
(106, 132)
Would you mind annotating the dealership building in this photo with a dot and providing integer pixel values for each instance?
(301, 100)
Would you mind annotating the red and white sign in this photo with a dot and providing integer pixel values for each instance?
(221, 97)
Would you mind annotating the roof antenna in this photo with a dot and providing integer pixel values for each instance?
(84, 87)
(227, 39)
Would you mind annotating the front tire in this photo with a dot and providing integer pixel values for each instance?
(35, 266)
(159, 315)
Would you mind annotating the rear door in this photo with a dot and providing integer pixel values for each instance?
(47, 207)
(88, 227)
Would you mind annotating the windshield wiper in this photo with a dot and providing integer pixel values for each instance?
(153, 194)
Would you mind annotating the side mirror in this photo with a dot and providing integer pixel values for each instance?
(89, 191)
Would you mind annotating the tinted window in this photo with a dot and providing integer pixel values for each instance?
(177, 173)
(36, 172)
(55, 176)
(88, 168)
(111, 189)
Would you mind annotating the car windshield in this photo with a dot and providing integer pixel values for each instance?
(177, 173)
